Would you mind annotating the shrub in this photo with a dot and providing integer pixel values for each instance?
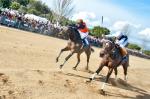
(134, 47)
(15, 5)
(147, 52)
(99, 31)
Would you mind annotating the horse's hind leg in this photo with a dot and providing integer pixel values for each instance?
(125, 68)
(88, 53)
(78, 58)
(62, 50)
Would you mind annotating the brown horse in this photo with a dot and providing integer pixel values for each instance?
(75, 45)
(112, 58)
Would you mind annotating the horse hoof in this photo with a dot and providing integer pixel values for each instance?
(102, 92)
(56, 60)
(86, 69)
(89, 80)
(60, 66)
(74, 68)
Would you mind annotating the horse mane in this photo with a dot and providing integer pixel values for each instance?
(74, 34)
(115, 51)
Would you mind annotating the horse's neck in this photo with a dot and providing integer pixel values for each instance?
(75, 37)
(116, 54)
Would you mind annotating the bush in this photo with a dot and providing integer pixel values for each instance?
(15, 5)
(134, 47)
(146, 52)
(99, 31)
(5, 3)
(34, 11)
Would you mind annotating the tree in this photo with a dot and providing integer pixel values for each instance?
(0, 4)
(38, 6)
(49, 16)
(23, 2)
(23, 9)
(98, 31)
(15, 5)
(45, 9)
(63, 8)
(134, 46)
(33, 11)
(5, 3)
(147, 52)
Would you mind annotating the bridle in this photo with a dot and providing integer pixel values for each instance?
(112, 50)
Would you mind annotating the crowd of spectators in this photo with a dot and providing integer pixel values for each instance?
(30, 22)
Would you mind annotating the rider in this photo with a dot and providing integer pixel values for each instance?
(121, 40)
(83, 31)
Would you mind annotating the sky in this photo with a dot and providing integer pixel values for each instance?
(117, 14)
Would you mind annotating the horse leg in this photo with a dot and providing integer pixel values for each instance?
(88, 53)
(116, 72)
(125, 71)
(96, 73)
(66, 59)
(62, 50)
(78, 57)
(106, 81)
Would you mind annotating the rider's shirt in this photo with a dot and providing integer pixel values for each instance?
(82, 28)
(123, 37)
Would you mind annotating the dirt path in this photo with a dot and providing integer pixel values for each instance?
(28, 71)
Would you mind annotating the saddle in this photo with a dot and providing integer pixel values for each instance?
(123, 51)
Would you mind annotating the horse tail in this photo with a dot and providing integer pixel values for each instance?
(92, 50)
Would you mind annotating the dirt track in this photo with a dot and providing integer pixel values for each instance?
(28, 71)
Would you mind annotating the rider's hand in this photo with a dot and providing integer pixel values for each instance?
(117, 43)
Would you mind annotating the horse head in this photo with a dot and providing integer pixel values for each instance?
(73, 34)
(109, 47)
(62, 33)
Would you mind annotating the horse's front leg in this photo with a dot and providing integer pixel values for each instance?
(78, 58)
(88, 53)
(106, 81)
(125, 72)
(62, 50)
(96, 73)
(116, 72)
(66, 59)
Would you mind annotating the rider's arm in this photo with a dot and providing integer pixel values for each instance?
(80, 26)
(109, 36)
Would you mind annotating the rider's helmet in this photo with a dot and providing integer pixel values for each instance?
(118, 34)
(79, 21)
